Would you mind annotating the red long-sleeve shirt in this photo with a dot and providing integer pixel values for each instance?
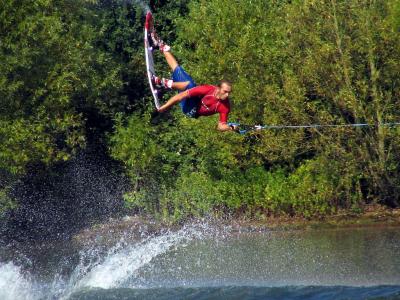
(209, 104)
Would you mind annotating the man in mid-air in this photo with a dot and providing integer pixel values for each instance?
(195, 101)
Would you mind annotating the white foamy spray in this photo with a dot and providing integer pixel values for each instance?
(116, 267)
(123, 261)
(13, 284)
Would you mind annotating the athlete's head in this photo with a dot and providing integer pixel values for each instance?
(224, 89)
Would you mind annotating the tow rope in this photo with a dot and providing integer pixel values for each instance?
(246, 128)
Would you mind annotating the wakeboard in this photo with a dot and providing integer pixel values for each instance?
(148, 50)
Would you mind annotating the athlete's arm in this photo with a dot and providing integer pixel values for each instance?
(223, 123)
(173, 100)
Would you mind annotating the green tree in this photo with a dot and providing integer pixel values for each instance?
(294, 62)
(67, 68)
(49, 66)
(343, 56)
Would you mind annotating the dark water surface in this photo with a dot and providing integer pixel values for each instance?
(244, 292)
(205, 262)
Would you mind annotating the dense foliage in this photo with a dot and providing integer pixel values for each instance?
(300, 62)
(72, 71)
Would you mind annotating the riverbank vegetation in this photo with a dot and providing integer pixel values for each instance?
(72, 74)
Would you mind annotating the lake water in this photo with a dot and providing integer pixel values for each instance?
(207, 262)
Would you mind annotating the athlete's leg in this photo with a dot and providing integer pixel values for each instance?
(158, 43)
(169, 83)
(170, 60)
(176, 82)
(173, 64)
(181, 80)
(180, 86)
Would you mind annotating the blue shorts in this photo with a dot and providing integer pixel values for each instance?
(189, 105)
